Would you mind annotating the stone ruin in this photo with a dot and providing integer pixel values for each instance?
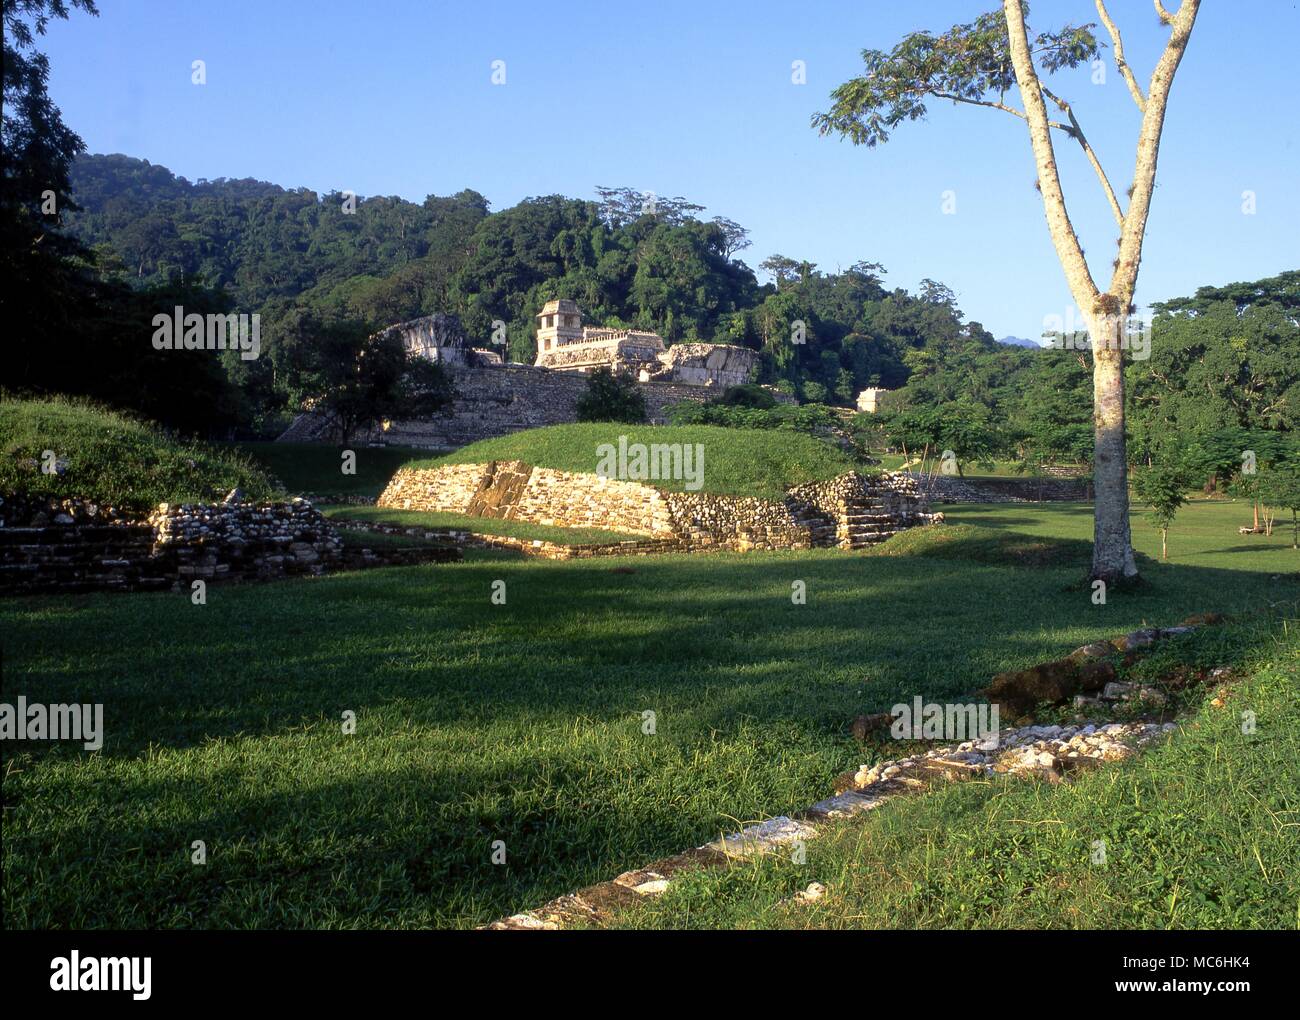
(871, 399)
(65, 545)
(564, 343)
(851, 511)
(440, 338)
(494, 398)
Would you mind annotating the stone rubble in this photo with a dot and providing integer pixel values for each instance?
(76, 546)
(1047, 752)
(812, 894)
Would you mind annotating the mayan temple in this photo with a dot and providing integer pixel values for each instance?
(564, 343)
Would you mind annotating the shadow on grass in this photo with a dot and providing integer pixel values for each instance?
(716, 639)
(478, 721)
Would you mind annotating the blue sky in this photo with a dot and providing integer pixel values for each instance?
(696, 99)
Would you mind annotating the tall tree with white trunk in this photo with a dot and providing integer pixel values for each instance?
(980, 64)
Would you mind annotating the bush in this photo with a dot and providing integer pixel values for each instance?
(813, 419)
(611, 397)
(747, 395)
(814, 393)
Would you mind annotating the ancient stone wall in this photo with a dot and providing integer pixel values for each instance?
(517, 491)
(850, 511)
(74, 545)
(495, 400)
(954, 489)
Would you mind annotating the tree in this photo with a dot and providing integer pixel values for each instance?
(357, 379)
(619, 206)
(780, 268)
(1163, 487)
(611, 397)
(978, 64)
(44, 271)
(1279, 487)
(734, 237)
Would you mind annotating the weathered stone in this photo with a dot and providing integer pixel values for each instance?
(103, 548)
(850, 511)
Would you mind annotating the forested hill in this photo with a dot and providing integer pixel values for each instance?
(1227, 358)
(256, 240)
(627, 258)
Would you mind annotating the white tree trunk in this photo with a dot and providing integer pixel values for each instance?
(1112, 541)
(1106, 313)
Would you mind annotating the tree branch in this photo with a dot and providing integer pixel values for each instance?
(1062, 232)
(996, 106)
(1120, 62)
(1165, 17)
(979, 102)
(1076, 132)
(1124, 278)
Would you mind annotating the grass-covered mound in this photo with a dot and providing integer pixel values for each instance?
(737, 462)
(110, 458)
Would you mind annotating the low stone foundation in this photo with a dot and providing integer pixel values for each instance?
(848, 512)
(955, 489)
(1055, 753)
(528, 546)
(67, 546)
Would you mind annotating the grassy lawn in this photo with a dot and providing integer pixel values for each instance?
(1203, 534)
(523, 723)
(477, 525)
(1200, 831)
(736, 462)
(317, 468)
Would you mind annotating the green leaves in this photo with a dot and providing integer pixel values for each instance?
(968, 63)
(610, 397)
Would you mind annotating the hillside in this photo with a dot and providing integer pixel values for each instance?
(736, 462)
(110, 458)
(388, 259)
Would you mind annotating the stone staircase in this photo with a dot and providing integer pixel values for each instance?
(501, 489)
(864, 523)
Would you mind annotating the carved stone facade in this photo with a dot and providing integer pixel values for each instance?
(564, 343)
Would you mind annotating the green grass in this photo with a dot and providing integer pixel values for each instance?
(1203, 534)
(523, 722)
(316, 469)
(478, 525)
(737, 462)
(111, 458)
(379, 539)
(1202, 830)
